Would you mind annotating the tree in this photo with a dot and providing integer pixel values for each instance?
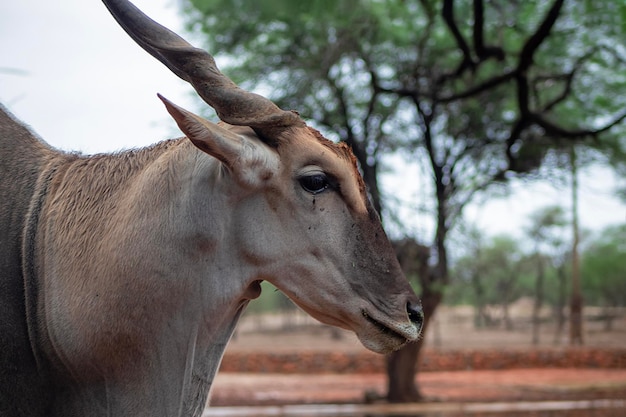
(576, 297)
(475, 99)
(541, 231)
(472, 271)
(604, 267)
(494, 270)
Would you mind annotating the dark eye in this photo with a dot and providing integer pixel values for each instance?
(315, 183)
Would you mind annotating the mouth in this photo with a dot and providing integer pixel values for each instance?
(386, 330)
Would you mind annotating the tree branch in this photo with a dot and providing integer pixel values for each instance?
(483, 52)
(567, 90)
(525, 57)
(447, 13)
(375, 91)
(526, 117)
(561, 132)
(540, 35)
(514, 135)
(475, 90)
(457, 209)
(350, 138)
(370, 174)
(569, 79)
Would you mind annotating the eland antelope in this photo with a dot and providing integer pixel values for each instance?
(122, 276)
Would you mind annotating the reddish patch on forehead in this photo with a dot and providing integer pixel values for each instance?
(343, 151)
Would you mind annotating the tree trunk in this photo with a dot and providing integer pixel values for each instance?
(480, 320)
(560, 304)
(609, 316)
(506, 317)
(538, 299)
(576, 301)
(402, 364)
(401, 367)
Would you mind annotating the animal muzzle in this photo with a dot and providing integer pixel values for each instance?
(416, 315)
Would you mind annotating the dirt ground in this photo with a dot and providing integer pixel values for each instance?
(451, 329)
(236, 389)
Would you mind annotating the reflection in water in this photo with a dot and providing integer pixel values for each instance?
(587, 408)
(551, 413)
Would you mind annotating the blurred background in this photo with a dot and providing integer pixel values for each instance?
(491, 136)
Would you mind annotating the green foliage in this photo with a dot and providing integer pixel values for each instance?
(473, 102)
(270, 300)
(546, 228)
(481, 275)
(491, 274)
(604, 268)
(385, 75)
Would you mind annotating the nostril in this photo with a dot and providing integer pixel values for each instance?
(416, 315)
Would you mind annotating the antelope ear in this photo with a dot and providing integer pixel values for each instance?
(251, 163)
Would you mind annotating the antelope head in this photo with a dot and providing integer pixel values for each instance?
(308, 225)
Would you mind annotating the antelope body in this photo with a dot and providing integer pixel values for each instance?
(122, 276)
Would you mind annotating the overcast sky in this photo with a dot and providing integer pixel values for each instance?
(71, 73)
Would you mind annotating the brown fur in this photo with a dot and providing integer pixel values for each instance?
(123, 276)
(342, 150)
